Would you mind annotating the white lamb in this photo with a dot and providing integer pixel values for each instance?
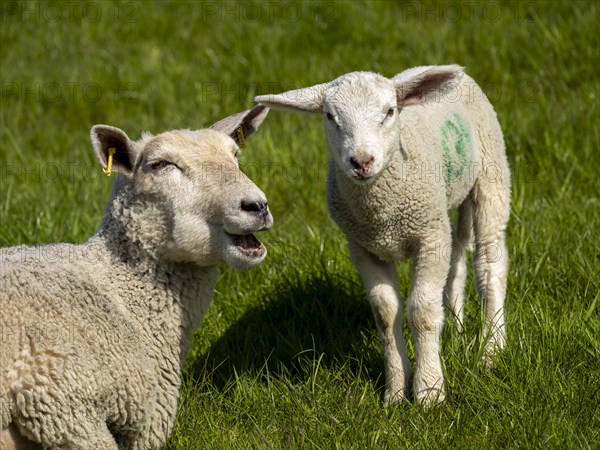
(94, 335)
(405, 151)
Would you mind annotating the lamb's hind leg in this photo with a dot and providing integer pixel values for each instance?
(491, 211)
(381, 283)
(457, 277)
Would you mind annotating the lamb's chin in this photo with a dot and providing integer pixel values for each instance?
(363, 180)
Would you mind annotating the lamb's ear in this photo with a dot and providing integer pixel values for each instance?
(105, 137)
(248, 120)
(416, 86)
(308, 99)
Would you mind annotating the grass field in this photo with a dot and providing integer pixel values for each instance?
(288, 355)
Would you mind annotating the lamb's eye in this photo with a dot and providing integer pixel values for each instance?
(159, 165)
(390, 112)
(329, 116)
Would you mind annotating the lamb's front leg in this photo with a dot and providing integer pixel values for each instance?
(381, 283)
(426, 317)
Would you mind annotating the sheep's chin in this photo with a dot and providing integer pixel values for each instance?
(244, 251)
(362, 180)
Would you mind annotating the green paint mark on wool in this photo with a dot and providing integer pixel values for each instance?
(457, 147)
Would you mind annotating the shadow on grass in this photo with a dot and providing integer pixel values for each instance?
(299, 320)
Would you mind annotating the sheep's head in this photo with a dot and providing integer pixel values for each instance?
(361, 112)
(205, 208)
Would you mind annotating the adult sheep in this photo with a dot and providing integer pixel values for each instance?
(94, 336)
(404, 151)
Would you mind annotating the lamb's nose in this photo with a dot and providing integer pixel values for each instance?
(362, 167)
(255, 207)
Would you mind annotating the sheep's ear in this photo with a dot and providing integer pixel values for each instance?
(416, 86)
(105, 137)
(308, 99)
(248, 120)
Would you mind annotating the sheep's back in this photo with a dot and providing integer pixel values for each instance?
(58, 329)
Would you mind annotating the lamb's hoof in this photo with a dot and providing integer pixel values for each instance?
(391, 397)
(489, 358)
(460, 328)
(430, 397)
(429, 390)
(491, 352)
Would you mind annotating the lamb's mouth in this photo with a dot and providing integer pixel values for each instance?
(363, 179)
(248, 245)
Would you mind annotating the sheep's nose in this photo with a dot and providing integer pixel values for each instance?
(362, 167)
(255, 207)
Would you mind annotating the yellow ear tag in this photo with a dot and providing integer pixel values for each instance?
(240, 134)
(111, 153)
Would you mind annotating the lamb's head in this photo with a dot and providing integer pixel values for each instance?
(361, 112)
(195, 202)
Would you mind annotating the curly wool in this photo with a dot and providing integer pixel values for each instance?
(74, 312)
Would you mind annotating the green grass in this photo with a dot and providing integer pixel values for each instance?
(288, 355)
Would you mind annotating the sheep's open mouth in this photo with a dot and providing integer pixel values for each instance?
(248, 244)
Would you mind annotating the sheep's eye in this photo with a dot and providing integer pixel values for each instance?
(329, 116)
(159, 165)
(390, 112)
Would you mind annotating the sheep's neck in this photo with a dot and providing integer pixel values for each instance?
(166, 299)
